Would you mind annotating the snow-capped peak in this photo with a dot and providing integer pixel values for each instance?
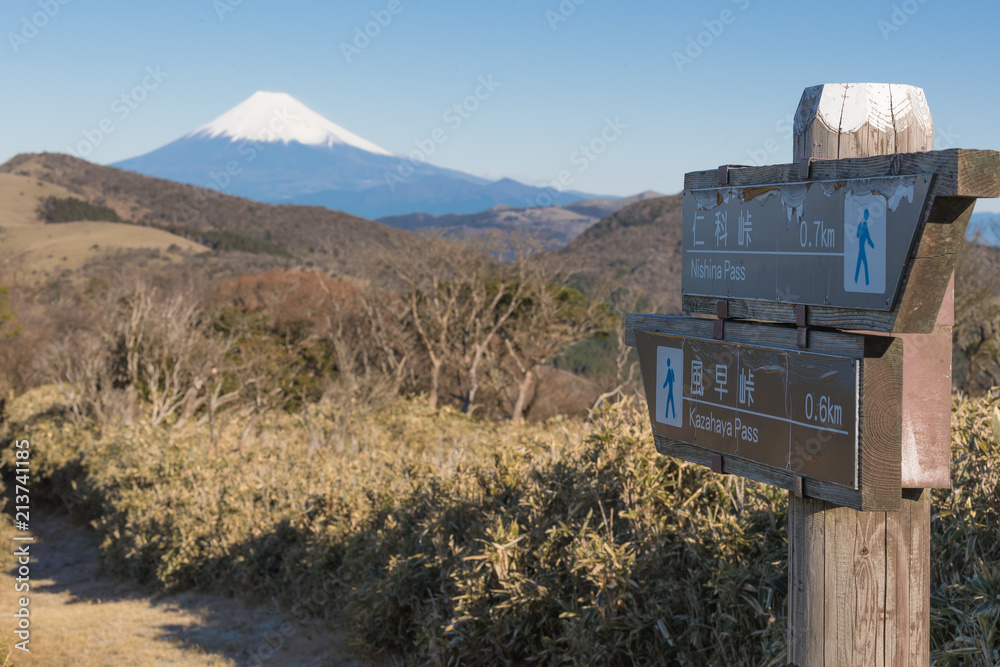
(280, 117)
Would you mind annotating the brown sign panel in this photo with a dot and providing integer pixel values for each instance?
(796, 411)
(843, 243)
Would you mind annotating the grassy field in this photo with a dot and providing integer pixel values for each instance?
(452, 540)
(21, 196)
(46, 251)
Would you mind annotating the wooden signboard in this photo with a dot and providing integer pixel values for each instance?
(806, 242)
(841, 244)
(781, 408)
(758, 406)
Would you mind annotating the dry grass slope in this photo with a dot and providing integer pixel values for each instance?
(47, 251)
(337, 241)
(21, 196)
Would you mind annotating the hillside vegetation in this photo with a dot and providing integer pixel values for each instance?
(454, 541)
(976, 336)
(554, 226)
(71, 209)
(254, 424)
(637, 248)
(251, 445)
(336, 241)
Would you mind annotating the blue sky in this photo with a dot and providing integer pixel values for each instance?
(564, 69)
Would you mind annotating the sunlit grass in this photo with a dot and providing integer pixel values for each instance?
(475, 542)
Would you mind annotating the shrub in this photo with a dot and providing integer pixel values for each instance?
(454, 541)
(142, 343)
(223, 240)
(965, 533)
(450, 538)
(71, 209)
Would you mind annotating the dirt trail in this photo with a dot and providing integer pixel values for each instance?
(83, 618)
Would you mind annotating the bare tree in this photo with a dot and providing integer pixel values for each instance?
(623, 301)
(368, 337)
(77, 364)
(142, 342)
(553, 318)
(176, 355)
(434, 301)
(493, 300)
(459, 302)
(261, 384)
(387, 317)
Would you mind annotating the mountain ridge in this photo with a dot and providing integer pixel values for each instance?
(553, 226)
(637, 247)
(339, 242)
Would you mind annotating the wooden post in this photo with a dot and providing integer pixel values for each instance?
(859, 582)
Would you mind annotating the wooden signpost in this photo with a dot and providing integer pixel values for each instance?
(854, 243)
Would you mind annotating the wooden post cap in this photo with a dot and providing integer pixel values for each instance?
(838, 120)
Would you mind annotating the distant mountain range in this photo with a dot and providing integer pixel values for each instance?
(637, 244)
(554, 226)
(272, 148)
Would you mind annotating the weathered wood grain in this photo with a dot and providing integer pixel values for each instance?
(875, 565)
(817, 121)
(919, 575)
(833, 616)
(816, 316)
(897, 549)
(857, 544)
(796, 586)
(881, 423)
(911, 119)
(907, 617)
(959, 172)
(784, 338)
(806, 594)
(926, 280)
(836, 120)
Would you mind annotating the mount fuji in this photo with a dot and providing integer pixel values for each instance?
(272, 148)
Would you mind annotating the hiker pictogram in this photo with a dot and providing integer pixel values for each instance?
(668, 384)
(864, 239)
